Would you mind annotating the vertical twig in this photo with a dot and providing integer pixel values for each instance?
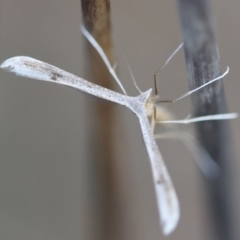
(96, 19)
(202, 60)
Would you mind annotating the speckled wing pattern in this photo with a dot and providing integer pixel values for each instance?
(167, 201)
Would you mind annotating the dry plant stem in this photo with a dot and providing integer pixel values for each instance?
(202, 60)
(96, 19)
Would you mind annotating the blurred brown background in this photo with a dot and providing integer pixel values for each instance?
(49, 188)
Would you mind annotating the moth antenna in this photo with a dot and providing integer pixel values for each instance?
(100, 51)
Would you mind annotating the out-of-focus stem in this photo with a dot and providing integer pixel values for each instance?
(96, 19)
(202, 61)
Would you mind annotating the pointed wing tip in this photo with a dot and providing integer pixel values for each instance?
(7, 63)
(169, 226)
(10, 63)
(168, 206)
(22, 66)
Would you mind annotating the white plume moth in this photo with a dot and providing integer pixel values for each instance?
(142, 105)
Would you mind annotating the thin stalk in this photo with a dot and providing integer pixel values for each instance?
(203, 64)
(96, 19)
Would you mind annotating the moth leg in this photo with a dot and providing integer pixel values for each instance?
(215, 117)
(153, 120)
(204, 161)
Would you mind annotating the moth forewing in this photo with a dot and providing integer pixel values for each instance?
(35, 69)
(166, 196)
(167, 201)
